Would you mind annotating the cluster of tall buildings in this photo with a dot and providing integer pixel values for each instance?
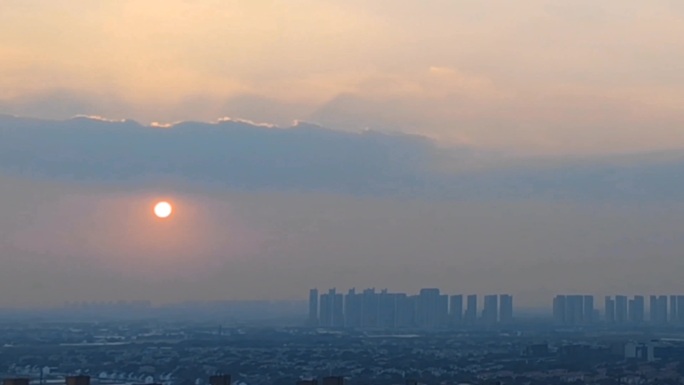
(429, 309)
(574, 310)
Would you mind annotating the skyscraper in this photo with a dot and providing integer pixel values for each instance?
(490, 312)
(387, 310)
(353, 309)
(609, 309)
(673, 309)
(326, 309)
(331, 312)
(369, 318)
(658, 309)
(652, 309)
(470, 316)
(680, 309)
(588, 309)
(636, 310)
(662, 309)
(406, 310)
(620, 309)
(506, 308)
(427, 308)
(574, 310)
(313, 307)
(456, 309)
(443, 311)
(338, 310)
(559, 309)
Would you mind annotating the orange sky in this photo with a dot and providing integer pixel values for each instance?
(541, 76)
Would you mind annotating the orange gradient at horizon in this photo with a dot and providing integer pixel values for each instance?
(118, 233)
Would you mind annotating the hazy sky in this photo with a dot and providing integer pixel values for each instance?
(552, 76)
(554, 163)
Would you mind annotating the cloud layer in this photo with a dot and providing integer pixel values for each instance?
(243, 155)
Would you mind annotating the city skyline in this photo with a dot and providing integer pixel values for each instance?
(428, 309)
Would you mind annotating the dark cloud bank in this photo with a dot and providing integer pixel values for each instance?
(306, 157)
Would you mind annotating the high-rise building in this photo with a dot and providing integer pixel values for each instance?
(506, 308)
(588, 313)
(559, 309)
(387, 310)
(313, 307)
(574, 310)
(621, 309)
(353, 309)
(662, 309)
(325, 310)
(456, 309)
(426, 308)
(652, 309)
(338, 311)
(673, 309)
(680, 309)
(470, 315)
(490, 311)
(331, 312)
(658, 309)
(443, 311)
(636, 310)
(609, 310)
(369, 318)
(406, 311)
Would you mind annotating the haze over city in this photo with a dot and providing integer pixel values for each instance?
(534, 147)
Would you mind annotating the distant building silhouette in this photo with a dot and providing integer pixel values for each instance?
(430, 309)
(636, 310)
(313, 307)
(456, 309)
(609, 310)
(589, 310)
(331, 309)
(658, 309)
(620, 309)
(470, 316)
(506, 308)
(559, 309)
(490, 311)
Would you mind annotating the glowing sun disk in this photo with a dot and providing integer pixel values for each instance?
(163, 209)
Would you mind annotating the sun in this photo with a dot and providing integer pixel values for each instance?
(163, 209)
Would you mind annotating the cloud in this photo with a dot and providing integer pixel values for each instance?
(239, 154)
(229, 153)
